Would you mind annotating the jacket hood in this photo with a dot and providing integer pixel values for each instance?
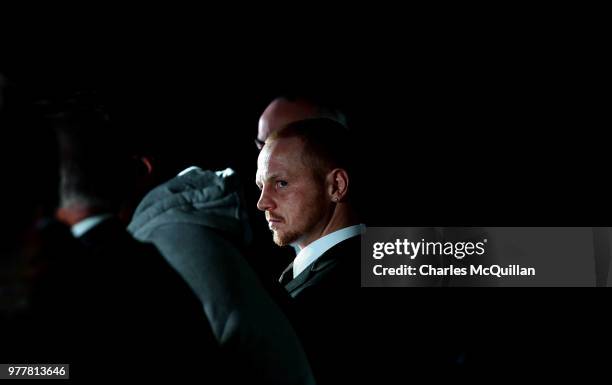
(195, 196)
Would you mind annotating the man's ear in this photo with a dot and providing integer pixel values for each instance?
(144, 165)
(338, 182)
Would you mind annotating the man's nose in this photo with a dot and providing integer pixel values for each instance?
(265, 202)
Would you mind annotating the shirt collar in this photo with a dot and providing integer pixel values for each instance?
(313, 251)
(87, 224)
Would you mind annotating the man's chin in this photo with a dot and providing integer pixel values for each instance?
(283, 239)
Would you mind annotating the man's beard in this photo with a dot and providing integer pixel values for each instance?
(286, 238)
(313, 218)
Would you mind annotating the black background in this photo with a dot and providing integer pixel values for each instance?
(463, 125)
(457, 129)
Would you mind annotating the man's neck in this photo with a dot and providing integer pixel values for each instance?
(73, 214)
(343, 216)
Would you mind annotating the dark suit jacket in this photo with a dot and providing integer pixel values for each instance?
(118, 309)
(363, 335)
(331, 273)
(326, 300)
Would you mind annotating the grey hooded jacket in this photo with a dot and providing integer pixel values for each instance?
(198, 222)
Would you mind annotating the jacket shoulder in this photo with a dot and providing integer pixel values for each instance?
(336, 271)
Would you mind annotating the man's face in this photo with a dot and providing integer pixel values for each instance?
(294, 200)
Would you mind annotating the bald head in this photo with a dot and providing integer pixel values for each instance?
(283, 111)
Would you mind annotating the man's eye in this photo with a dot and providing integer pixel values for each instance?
(281, 184)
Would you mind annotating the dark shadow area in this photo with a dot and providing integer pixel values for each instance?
(454, 139)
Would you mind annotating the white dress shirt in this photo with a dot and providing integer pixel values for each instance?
(313, 251)
(87, 224)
